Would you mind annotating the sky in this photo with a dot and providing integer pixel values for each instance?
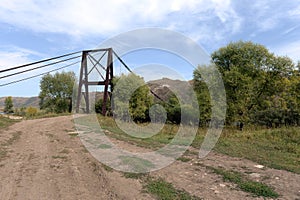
(32, 30)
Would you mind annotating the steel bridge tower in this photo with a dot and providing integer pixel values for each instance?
(104, 70)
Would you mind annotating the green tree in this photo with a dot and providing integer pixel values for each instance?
(211, 96)
(99, 104)
(56, 92)
(203, 97)
(131, 104)
(291, 96)
(254, 79)
(173, 109)
(8, 107)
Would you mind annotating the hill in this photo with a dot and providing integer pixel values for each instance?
(22, 102)
(161, 87)
(165, 88)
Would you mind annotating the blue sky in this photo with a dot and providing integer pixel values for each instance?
(32, 30)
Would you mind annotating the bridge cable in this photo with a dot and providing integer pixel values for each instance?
(40, 74)
(45, 60)
(39, 67)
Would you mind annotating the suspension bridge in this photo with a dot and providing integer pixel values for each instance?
(94, 61)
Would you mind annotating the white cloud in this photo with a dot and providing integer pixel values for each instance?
(291, 50)
(10, 59)
(294, 12)
(262, 16)
(99, 17)
(11, 56)
(81, 17)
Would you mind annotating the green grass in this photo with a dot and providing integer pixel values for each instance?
(275, 148)
(104, 146)
(183, 159)
(163, 137)
(59, 157)
(159, 188)
(134, 175)
(3, 151)
(107, 168)
(253, 187)
(41, 114)
(163, 190)
(5, 122)
(73, 134)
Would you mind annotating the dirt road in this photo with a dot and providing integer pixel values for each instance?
(44, 159)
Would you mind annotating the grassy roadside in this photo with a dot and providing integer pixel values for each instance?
(41, 115)
(5, 122)
(154, 142)
(275, 148)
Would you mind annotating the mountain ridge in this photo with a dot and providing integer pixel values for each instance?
(19, 102)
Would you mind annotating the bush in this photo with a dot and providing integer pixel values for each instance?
(20, 111)
(31, 112)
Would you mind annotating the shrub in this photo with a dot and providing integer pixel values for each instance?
(31, 112)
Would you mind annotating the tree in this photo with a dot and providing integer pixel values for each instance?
(99, 104)
(131, 98)
(173, 109)
(56, 92)
(8, 108)
(254, 79)
(203, 97)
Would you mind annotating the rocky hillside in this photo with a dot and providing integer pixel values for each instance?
(165, 88)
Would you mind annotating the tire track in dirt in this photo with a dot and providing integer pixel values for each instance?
(48, 163)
